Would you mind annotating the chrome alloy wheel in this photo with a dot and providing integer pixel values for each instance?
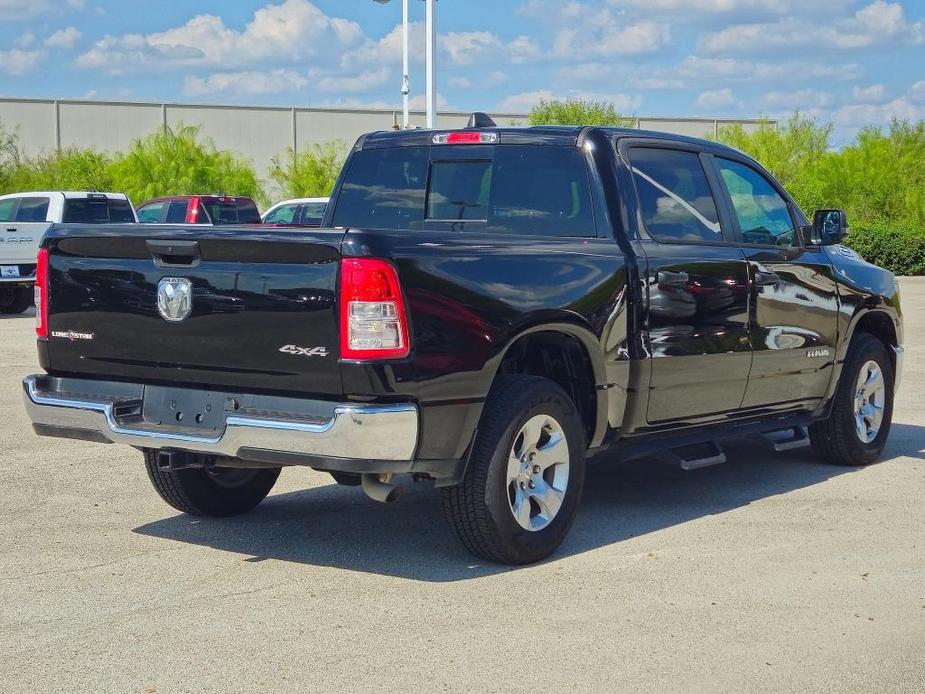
(537, 472)
(869, 401)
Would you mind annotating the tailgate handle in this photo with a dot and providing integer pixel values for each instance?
(174, 253)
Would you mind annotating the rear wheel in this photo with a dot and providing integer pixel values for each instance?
(521, 490)
(15, 299)
(217, 491)
(859, 423)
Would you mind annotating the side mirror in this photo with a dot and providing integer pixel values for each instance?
(829, 227)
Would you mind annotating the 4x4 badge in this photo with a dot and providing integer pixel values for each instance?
(304, 351)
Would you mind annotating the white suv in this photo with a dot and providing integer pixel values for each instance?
(24, 219)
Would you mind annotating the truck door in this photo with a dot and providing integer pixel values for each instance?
(793, 292)
(22, 232)
(697, 282)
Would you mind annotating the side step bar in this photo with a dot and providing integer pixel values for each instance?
(694, 457)
(783, 439)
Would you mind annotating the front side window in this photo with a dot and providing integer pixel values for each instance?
(283, 214)
(32, 210)
(675, 197)
(150, 214)
(763, 215)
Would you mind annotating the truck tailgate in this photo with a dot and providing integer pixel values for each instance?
(262, 313)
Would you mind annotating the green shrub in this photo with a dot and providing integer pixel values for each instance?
(577, 112)
(311, 173)
(899, 249)
(181, 162)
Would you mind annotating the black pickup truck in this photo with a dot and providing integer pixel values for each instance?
(486, 308)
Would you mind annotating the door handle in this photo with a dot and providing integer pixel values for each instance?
(672, 279)
(12, 229)
(766, 279)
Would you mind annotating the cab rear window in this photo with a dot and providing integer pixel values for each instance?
(514, 189)
(97, 211)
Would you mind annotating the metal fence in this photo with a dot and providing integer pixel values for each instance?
(256, 132)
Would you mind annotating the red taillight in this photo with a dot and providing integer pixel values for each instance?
(41, 294)
(465, 137)
(192, 214)
(373, 320)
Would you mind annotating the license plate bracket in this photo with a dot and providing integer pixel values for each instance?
(180, 407)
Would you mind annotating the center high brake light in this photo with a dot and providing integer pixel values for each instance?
(41, 294)
(373, 319)
(465, 137)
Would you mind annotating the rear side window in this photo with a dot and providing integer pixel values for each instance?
(8, 209)
(32, 210)
(516, 190)
(176, 212)
(675, 197)
(248, 212)
(763, 215)
(97, 211)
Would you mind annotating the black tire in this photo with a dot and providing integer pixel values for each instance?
(16, 300)
(836, 439)
(479, 508)
(202, 492)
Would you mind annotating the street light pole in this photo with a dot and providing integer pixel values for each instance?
(405, 84)
(430, 90)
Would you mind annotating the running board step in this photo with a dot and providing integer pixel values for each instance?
(695, 456)
(784, 439)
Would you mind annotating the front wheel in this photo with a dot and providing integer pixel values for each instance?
(862, 410)
(218, 491)
(526, 472)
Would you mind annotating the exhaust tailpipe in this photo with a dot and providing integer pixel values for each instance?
(379, 488)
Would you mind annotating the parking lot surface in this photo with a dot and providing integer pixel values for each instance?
(772, 572)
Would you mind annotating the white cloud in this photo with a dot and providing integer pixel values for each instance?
(609, 37)
(717, 98)
(860, 115)
(19, 62)
(25, 40)
(358, 83)
(20, 10)
(492, 79)
(63, 38)
(880, 22)
(246, 83)
(524, 101)
(294, 30)
(799, 100)
(917, 92)
(875, 94)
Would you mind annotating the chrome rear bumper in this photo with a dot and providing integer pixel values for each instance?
(341, 431)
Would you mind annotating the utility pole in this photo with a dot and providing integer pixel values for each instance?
(405, 83)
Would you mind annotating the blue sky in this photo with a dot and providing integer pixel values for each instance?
(852, 62)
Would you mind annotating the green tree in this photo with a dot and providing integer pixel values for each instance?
(70, 169)
(310, 173)
(181, 162)
(577, 112)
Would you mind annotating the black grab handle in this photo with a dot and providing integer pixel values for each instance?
(174, 253)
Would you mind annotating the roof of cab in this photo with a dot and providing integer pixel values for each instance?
(565, 135)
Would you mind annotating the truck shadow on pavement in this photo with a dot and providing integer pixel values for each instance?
(339, 527)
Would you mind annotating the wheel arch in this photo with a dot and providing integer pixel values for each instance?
(568, 353)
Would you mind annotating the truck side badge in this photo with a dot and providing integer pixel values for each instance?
(304, 351)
